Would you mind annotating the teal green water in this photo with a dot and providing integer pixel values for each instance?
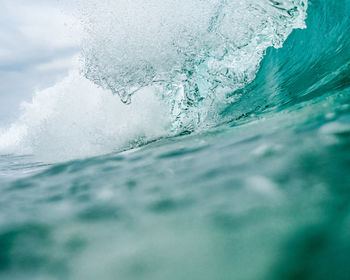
(263, 195)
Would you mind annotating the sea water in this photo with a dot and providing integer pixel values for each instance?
(196, 140)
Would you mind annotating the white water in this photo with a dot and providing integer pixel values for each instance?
(75, 119)
(183, 58)
(199, 51)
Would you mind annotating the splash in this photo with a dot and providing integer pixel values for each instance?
(197, 52)
(75, 118)
(178, 64)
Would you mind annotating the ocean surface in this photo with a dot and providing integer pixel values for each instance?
(196, 140)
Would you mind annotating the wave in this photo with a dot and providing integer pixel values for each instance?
(313, 62)
(183, 66)
(75, 119)
(196, 53)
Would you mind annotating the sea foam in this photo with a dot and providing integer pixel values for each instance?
(177, 64)
(75, 118)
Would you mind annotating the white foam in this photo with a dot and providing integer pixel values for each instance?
(76, 119)
(202, 50)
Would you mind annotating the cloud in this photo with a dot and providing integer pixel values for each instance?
(35, 31)
(60, 63)
(38, 45)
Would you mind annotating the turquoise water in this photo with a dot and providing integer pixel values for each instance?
(262, 192)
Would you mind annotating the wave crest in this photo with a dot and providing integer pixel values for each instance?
(195, 53)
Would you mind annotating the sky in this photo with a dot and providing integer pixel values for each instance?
(38, 43)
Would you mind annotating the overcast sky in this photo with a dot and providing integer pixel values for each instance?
(37, 44)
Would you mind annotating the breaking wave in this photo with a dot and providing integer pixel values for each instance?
(182, 66)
